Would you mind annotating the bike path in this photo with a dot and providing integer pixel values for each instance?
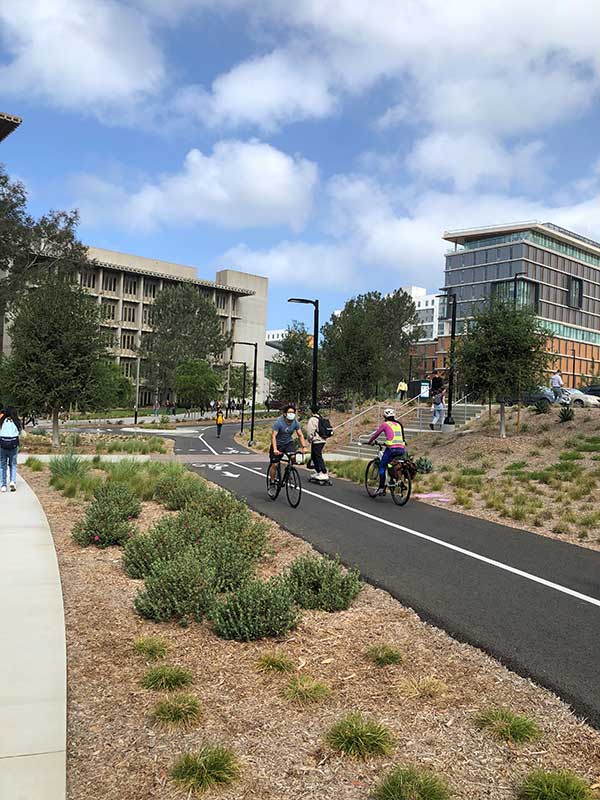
(530, 601)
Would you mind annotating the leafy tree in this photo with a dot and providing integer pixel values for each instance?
(196, 382)
(113, 389)
(292, 367)
(31, 248)
(59, 352)
(366, 345)
(502, 353)
(236, 382)
(185, 326)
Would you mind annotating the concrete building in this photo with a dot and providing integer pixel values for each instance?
(126, 286)
(428, 308)
(539, 264)
(275, 337)
(8, 123)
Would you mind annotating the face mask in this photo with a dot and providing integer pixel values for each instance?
(290, 416)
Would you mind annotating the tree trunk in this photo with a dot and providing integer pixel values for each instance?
(502, 421)
(55, 433)
(490, 404)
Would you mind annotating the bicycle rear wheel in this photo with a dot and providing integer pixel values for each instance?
(401, 489)
(293, 487)
(372, 477)
(274, 487)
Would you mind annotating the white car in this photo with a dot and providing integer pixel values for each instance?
(580, 399)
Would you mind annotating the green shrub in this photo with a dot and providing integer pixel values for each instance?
(560, 785)
(358, 737)
(34, 464)
(210, 767)
(63, 468)
(410, 783)
(177, 491)
(275, 662)
(102, 526)
(509, 727)
(174, 589)
(230, 549)
(256, 610)
(165, 540)
(151, 647)
(71, 440)
(179, 711)
(424, 464)
(166, 678)
(542, 407)
(383, 654)
(120, 497)
(318, 582)
(305, 690)
(566, 414)
(37, 431)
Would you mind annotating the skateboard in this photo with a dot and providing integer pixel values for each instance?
(327, 482)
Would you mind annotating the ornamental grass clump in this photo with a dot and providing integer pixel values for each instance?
(424, 465)
(209, 768)
(508, 727)
(164, 541)
(305, 690)
(319, 582)
(166, 678)
(175, 590)
(559, 785)
(152, 648)
(411, 783)
(275, 661)
(359, 737)
(178, 711)
(256, 610)
(34, 464)
(383, 655)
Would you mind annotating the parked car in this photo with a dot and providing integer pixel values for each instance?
(594, 389)
(580, 399)
(541, 394)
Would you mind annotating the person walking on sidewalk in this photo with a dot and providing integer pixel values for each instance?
(10, 429)
(438, 409)
(316, 435)
(556, 384)
(219, 421)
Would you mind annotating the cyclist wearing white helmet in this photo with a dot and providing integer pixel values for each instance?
(395, 443)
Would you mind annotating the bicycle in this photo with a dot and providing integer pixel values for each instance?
(290, 479)
(398, 478)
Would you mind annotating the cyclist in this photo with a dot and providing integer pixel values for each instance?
(395, 444)
(282, 438)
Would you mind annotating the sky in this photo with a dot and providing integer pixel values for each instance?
(326, 145)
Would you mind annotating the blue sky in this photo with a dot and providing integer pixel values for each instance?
(325, 145)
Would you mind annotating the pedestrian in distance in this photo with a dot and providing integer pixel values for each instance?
(556, 384)
(438, 408)
(168, 407)
(318, 430)
(436, 383)
(10, 430)
(219, 421)
(401, 390)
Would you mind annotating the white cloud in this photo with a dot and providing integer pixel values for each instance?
(283, 86)
(240, 184)
(88, 55)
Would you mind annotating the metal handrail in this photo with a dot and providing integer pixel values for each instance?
(370, 408)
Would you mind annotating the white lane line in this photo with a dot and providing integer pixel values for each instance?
(204, 442)
(499, 564)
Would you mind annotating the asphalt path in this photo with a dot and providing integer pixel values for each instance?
(530, 601)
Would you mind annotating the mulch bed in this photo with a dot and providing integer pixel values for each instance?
(115, 753)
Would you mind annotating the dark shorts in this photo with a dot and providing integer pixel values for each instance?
(286, 448)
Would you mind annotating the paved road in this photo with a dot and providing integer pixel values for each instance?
(530, 601)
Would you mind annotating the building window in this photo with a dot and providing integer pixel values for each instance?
(148, 315)
(130, 286)
(575, 298)
(109, 282)
(88, 279)
(221, 300)
(129, 313)
(127, 368)
(109, 309)
(150, 288)
(128, 341)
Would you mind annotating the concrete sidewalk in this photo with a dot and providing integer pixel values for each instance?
(33, 654)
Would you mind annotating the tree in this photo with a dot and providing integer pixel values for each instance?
(196, 382)
(185, 325)
(366, 345)
(30, 248)
(59, 352)
(292, 367)
(502, 353)
(236, 382)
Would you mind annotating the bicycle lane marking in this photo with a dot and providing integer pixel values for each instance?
(204, 442)
(469, 553)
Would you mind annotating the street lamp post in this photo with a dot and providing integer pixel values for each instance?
(573, 354)
(449, 420)
(315, 364)
(255, 346)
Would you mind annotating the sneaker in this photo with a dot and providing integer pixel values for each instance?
(3, 489)
(431, 426)
(380, 493)
(13, 486)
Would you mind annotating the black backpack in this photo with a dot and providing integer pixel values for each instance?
(325, 428)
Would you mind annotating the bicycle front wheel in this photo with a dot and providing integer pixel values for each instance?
(372, 477)
(274, 486)
(293, 487)
(401, 490)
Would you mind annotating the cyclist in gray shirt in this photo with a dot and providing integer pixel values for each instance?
(282, 437)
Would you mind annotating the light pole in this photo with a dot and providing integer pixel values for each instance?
(243, 363)
(315, 364)
(448, 419)
(255, 346)
(573, 354)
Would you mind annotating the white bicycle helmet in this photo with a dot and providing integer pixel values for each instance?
(389, 413)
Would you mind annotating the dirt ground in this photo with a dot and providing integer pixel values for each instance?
(78, 443)
(115, 753)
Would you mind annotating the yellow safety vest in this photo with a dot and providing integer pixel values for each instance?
(397, 440)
